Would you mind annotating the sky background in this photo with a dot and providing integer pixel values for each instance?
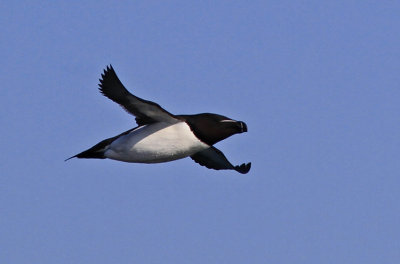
(317, 83)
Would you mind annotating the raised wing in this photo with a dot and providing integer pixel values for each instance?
(146, 112)
(213, 158)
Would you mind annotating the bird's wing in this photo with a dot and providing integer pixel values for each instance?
(213, 158)
(146, 112)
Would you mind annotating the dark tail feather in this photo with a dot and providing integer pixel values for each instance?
(97, 151)
(71, 157)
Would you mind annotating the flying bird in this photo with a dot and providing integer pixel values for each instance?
(161, 136)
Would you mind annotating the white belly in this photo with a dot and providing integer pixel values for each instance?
(159, 142)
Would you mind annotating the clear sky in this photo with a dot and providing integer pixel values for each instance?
(317, 83)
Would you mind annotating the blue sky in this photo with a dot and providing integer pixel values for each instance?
(317, 83)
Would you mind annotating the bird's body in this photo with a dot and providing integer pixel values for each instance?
(154, 143)
(162, 136)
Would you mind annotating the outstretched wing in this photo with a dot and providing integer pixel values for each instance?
(213, 158)
(146, 112)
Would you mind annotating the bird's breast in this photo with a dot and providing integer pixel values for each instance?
(158, 142)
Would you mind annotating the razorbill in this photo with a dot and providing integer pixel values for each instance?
(161, 136)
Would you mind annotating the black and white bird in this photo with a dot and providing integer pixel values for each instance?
(161, 136)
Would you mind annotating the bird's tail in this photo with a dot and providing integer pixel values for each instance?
(98, 150)
(95, 152)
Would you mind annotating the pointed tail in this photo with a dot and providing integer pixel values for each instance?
(97, 151)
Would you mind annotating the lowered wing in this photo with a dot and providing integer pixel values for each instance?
(213, 158)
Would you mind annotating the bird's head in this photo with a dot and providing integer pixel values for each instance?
(212, 128)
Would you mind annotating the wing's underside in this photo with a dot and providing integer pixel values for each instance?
(213, 158)
(146, 112)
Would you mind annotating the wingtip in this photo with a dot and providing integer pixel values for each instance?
(243, 168)
(109, 67)
(106, 69)
(106, 72)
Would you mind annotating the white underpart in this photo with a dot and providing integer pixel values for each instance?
(158, 142)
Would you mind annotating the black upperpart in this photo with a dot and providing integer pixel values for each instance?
(212, 128)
